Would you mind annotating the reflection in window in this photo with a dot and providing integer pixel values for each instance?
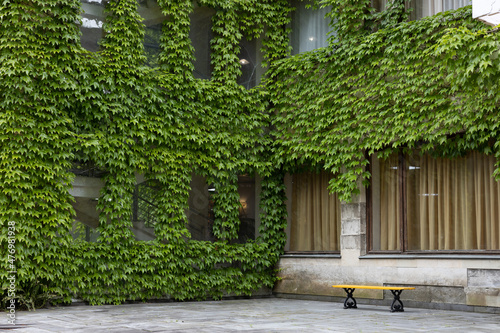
(150, 11)
(200, 214)
(309, 28)
(200, 211)
(86, 191)
(92, 23)
(200, 35)
(246, 190)
(249, 63)
(145, 209)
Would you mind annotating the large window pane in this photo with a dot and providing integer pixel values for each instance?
(146, 209)
(249, 63)
(386, 207)
(150, 11)
(92, 23)
(453, 204)
(309, 28)
(423, 8)
(248, 208)
(315, 223)
(200, 35)
(200, 212)
(448, 204)
(85, 190)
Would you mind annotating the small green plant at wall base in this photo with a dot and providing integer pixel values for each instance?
(380, 85)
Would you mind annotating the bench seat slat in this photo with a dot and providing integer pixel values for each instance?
(372, 287)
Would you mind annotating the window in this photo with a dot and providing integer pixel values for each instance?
(248, 207)
(146, 209)
(92, 22)
(150, 11)
(200, 213)
(85, 190)
(420, 203)
(200, 35)
(424, 8)
(250, 65)
(315, 217)
(309, 28)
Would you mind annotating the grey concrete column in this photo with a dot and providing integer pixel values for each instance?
(353, 229)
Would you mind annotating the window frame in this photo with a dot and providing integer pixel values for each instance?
(403, 241)
(305, 253)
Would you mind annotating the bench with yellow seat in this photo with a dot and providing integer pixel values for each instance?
(350, 302)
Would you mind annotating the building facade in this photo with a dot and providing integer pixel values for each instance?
(432, 223)
(186, 150)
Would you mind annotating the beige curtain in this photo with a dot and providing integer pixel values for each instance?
(452, 204)
(423, 8)
(390, 204)
(315, 222)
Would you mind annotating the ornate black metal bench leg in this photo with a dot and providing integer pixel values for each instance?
(397, 305)
(350, 302)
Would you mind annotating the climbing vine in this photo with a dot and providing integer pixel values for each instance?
(380, 87)
(383, 83)
(60, 104)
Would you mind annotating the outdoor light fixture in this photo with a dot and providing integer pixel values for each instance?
(244, 62)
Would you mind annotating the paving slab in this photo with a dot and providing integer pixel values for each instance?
(248, 315)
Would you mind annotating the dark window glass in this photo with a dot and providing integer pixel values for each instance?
(200, 212)
(85, 190)
(92, 23)
(249, 63)
(248, 208)
(200, 35)
(150, 11)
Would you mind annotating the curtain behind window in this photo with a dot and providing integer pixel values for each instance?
(309, 28)
(387, 213)
(453, 204)
(315, 214)
(425, 8)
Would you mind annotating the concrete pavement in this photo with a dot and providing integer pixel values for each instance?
(248, 315)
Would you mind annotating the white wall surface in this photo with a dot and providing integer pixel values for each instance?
(487, 11)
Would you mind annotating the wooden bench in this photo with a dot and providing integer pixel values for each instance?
(350, 302)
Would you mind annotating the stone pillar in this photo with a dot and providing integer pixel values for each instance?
(353, 230)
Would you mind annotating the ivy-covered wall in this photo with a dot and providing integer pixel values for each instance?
(60, 104)
(387, 83)
(383, 83)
